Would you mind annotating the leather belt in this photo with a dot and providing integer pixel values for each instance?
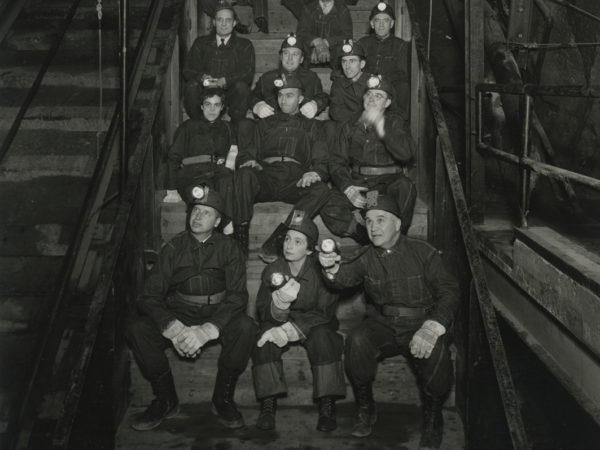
(200, 159)
(403, 311)
(274, 159)
(211, 299)
(376, 170)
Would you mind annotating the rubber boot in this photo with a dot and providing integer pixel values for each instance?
(241, 233)
(367, 412)
(164, 406)
(266, 418)
(273, 246)
(223, 405)
(433, 423)
(327, 420)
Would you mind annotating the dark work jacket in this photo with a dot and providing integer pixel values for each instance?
(234, 61)
(335, 26)
(313, 89)
(291, 135)
(218, 265)
(388, 57)
(196, 137)
(360, 146)
(346, 98)
(410, 274)
(314, 306)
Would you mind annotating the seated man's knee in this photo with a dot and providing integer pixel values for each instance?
(139, 328)
(246, 326)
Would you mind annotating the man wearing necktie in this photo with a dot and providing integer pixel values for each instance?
(220, 59)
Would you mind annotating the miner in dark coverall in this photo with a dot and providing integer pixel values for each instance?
(412, 303)
(292, 54)
(195, 293)
(200, 152)
(286, 161)
(297, 308)
(388, 55)
(348, 84)
(371, 150)
(220, 59)
(324, 24)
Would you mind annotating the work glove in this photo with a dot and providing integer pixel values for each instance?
(354, 195)
(280, 336)
(252, 163)
(174, 332)
(423, 341)
(286, 294)
(309, 109)
(276, 335)
(330, 261)
(308, 178)
(195, 337)
(172, 197)
(231, 157)
(262, 109)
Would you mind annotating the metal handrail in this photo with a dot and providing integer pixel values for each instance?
(507, 390)
(80, 245)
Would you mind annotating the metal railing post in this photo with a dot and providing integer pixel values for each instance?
(525, 173)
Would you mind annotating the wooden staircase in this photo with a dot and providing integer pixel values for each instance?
(395, 389)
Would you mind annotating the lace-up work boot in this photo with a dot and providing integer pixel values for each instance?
(223, 405)
(266, 418)
(327, 420)
(433, 423)
(164, 406)
(367, 412)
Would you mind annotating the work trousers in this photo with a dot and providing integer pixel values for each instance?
(338, 213)
(373, 340)
(148, 345)
(276, 182)
(324, 349)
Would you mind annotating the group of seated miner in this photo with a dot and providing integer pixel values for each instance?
(349, 170)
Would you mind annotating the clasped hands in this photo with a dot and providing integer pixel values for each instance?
(320, 53)
(189, 340)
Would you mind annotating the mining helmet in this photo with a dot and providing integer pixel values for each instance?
(201, 194)
(300, 221)
(380, 83)
(382, 202)
(287, 81)
(292, 41)
(382, 7)
(352, 48)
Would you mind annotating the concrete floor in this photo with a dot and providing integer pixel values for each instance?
(398, 425)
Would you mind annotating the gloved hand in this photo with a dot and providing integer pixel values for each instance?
(174, 332)
(276, 335)
(286, 294)
(262, 109)
(172, 197)
(330, 261)
(354, 195)
(231, 157)
(308, 178)
(309, 109)
(195, 337)
(252, 163)
(423, 341)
